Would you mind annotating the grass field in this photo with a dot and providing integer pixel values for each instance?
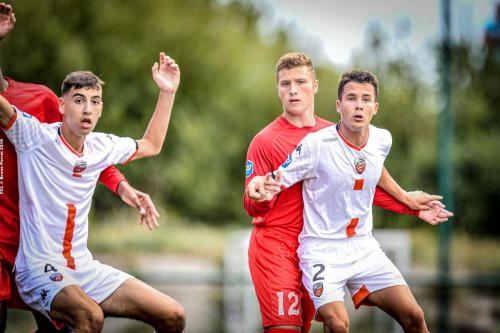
(122, 234)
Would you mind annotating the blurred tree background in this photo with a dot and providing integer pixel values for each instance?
(228, 93)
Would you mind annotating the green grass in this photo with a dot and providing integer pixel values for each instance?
(122, 234)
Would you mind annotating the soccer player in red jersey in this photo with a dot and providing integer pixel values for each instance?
(42, 103)
(284, 303)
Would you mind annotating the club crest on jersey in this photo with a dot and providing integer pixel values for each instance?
(56, 277)
(249, 169)
(318, 289)
(80, 167)
(287, 162)
(360, 164)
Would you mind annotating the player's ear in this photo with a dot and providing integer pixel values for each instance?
(375, 109)
(316, 86)
(61, 105)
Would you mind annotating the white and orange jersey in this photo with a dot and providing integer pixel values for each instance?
(56, 185)
(339, 181)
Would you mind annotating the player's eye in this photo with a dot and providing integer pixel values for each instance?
(96, 101)
(285, 83)
(78, 100)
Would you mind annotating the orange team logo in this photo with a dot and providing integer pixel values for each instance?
(360, 164)
(318, 289)
(80, 166)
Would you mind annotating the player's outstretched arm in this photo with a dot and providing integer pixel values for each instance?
(142, 202)
(166, 75)
(415, 200)
(7, 19)
(6, 112)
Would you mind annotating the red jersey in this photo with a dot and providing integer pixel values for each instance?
(42, 103)
(267, 151)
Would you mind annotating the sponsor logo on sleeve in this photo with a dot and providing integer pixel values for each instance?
(249, 169)
(287, 162)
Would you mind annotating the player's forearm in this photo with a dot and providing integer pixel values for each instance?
(154, 137)
(386, 201)
(257, 209)
(390, 186)
(6, 112)
(111, 177)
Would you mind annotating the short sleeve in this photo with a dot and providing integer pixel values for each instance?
(301, 163)
(26, 132)
(123, 148)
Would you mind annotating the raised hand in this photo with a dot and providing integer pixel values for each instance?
(166, 74)
(7, 19)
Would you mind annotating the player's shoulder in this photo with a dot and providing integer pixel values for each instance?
(29, 87)
(381, 135)
(266, 135)
(322, 135)
(100, 138)
(381, 132)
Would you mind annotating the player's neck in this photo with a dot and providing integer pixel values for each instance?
(74, 141)
(356, 138)
(3, 82)
(307, 119)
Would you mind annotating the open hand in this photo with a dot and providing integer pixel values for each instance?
(166, 74)
(7, 19)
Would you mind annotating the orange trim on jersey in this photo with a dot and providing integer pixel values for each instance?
(68, 145)
(130, 158)
(351, 228)
(358, 184)
(68, 236)
(360, 296)
(347, 142)
(11, 121)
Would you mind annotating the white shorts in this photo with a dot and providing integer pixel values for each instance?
(358, 263)
(40, 284)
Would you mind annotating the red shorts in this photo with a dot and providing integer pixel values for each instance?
(277, 279)
(8, 288)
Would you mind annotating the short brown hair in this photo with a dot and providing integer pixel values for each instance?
(81, 79)
(359, 76)
(292, 60)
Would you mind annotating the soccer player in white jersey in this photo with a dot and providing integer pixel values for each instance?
(58, 168)
(341, 165)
